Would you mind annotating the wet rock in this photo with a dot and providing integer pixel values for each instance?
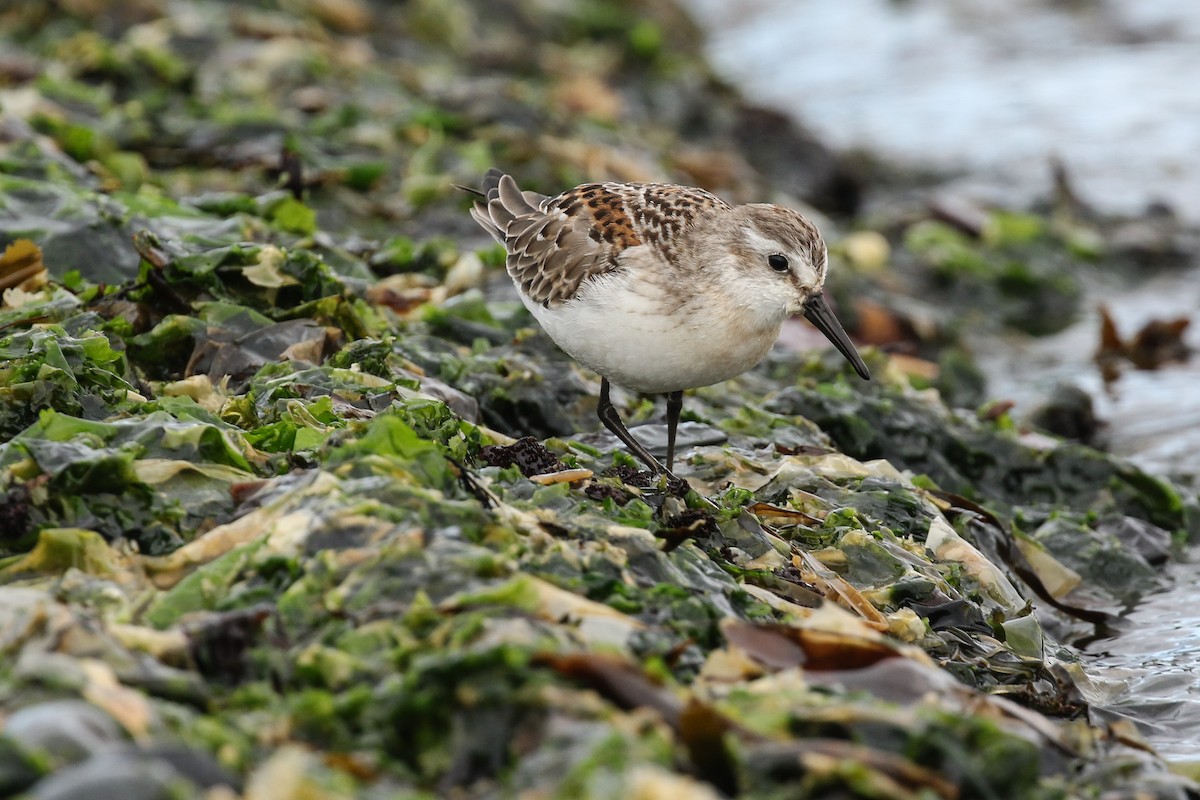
(1069, 413)
(321, 557)
(654, 437)
(1150, 541)
(798, 162)
(1155, 240)
(65, 731)
(161, 773)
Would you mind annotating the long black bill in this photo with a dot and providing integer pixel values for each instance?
(817, 311)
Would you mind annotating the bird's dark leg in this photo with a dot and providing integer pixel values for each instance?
(674, 407)
(608, 415)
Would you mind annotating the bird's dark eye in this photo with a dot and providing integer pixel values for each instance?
(778, 262)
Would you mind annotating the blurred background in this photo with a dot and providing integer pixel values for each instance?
(992, 91)
(1012, 104)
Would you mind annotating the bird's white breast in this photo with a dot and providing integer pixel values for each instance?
(627, 329)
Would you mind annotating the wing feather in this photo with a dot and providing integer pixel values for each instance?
(555, 245)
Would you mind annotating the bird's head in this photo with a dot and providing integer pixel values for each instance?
(781, 263)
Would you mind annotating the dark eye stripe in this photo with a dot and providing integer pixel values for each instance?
(778, 262)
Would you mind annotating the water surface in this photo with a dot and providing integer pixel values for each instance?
(1150, 674)
(996, 89)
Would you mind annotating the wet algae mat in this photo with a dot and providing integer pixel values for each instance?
(299, 503)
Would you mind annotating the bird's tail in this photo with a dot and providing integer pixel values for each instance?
(491, 190)
(491, 183)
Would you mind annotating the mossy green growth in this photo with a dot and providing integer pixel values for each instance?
(294, 216)
(363, 608)
(60, 549)
(49, 368)
(1017, 265)
(151, 479)
(204, 588)
(388, 438)
(1102, 560)
(973, 458)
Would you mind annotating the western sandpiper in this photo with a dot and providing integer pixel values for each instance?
(659, 288)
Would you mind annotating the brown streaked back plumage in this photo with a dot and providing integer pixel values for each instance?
(555, 244)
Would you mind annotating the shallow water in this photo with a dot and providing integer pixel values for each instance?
(995, 91)
(1152, 417)
(1150, 674)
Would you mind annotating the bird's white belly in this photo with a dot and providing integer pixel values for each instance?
(634, 339)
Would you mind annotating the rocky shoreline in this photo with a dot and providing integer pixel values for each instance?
(298, 502)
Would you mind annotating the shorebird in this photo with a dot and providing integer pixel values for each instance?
(656, 287)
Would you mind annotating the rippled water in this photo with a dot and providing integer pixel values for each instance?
(1150, 674)
(996, 90)
(1152, 417)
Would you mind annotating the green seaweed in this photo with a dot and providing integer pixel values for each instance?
(244, 498)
